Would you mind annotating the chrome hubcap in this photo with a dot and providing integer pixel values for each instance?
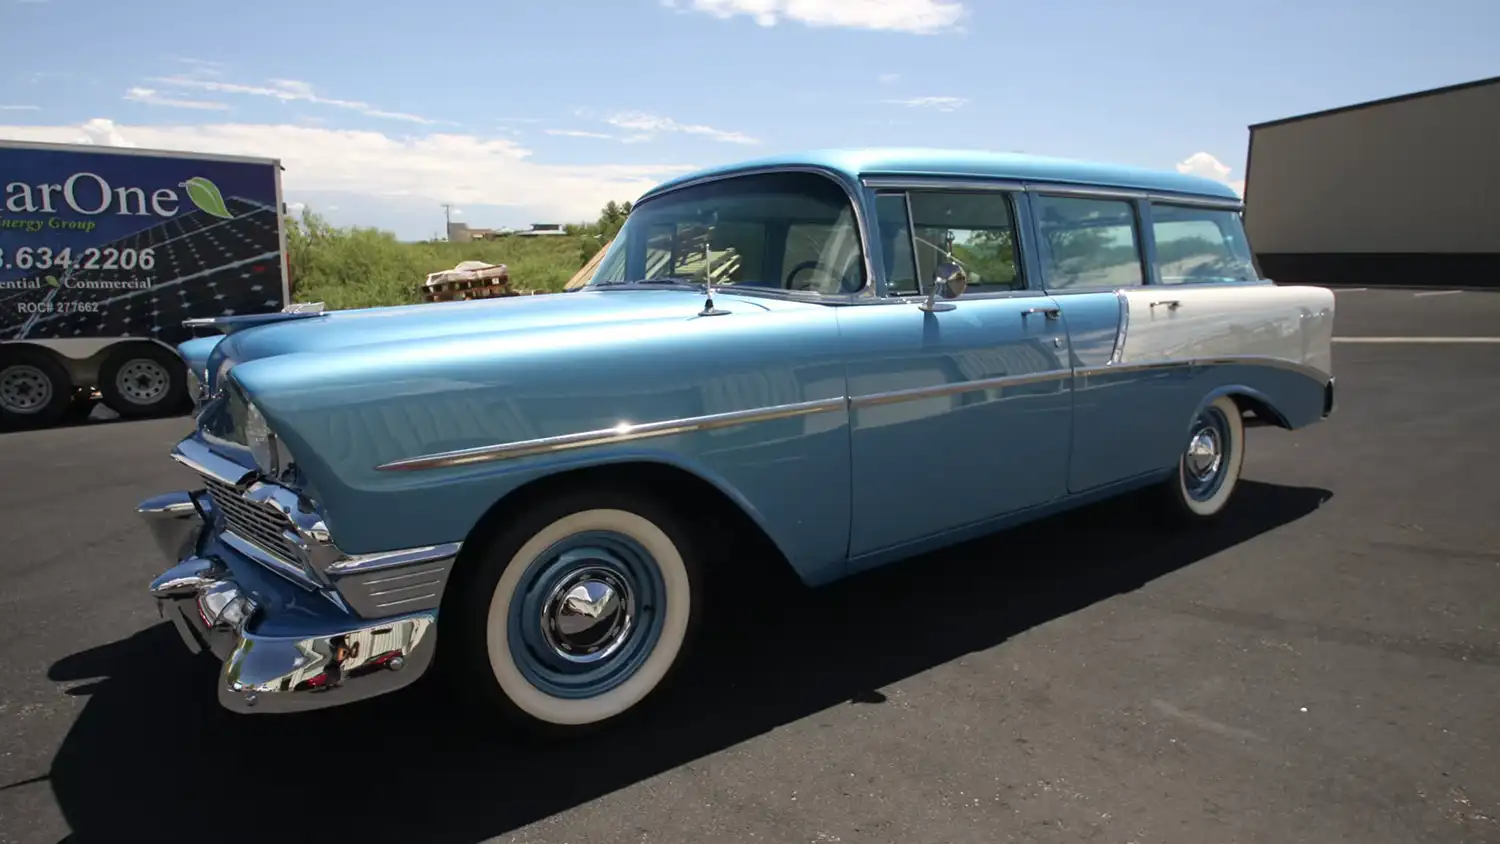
(24, 389)
(588, 616)
(142, 381)
(1204, 454)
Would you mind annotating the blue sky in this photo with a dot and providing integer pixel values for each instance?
(536, 112)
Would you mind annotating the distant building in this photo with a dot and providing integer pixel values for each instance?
(1399, 191)
(462, 233)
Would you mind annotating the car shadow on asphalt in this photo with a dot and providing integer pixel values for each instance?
(153, 757)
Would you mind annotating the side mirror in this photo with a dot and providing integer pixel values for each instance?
(950, 282)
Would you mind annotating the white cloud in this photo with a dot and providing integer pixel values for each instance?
(939, 103)
(647, 126)
(429, 170)
(917, 16)
(20, 108)
(579, 133)
(286, 90)
(150, 96)
(1209, 167)
(888, 78)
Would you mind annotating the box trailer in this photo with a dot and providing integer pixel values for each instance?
(105, 253)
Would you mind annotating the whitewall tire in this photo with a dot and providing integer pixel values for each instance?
(1208, 470)
(581, 610)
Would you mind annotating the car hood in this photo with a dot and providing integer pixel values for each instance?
(373, 326)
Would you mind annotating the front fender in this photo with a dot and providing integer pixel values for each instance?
(345, 414)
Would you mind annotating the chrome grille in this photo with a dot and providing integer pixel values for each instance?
(259, 524)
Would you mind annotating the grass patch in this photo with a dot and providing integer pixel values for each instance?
(364, 268)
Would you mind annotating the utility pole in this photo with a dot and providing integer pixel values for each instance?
(447, 221)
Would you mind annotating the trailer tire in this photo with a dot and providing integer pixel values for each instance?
(35, 389)
(142, 380)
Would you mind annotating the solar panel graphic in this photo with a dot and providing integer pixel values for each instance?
(100, 244)
(200, 266)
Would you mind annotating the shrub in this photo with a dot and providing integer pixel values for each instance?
(365, 267)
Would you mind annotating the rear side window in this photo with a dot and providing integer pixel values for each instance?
(1200, 245)
(1089, 242)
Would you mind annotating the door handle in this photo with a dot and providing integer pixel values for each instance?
(1052, 313)
(1172, 304)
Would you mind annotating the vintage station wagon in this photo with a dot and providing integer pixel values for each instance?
(858, 355)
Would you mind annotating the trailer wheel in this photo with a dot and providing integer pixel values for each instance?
(143, 380)
(35, 390)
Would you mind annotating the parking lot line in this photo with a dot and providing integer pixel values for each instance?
(1436, 293)
(1416, 339)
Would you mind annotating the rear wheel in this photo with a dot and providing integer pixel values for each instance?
(579, 611)
(143, 380)
(1208, 472)
(35, 389)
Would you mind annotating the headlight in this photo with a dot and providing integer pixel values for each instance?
(217, 385)
(261, 441)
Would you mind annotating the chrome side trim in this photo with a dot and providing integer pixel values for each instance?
(623, 432)
(382, 593)
(193, 454)
(1298, 367)
(363, 563)
(940, 390)
(1118, 353)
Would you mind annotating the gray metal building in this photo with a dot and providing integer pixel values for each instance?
(1400, 191)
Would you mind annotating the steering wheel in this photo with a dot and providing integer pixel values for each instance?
(815, 265)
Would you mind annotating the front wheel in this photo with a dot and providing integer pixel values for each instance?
(579, 611)
(1208, 471)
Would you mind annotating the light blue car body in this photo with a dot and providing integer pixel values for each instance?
(865, 433)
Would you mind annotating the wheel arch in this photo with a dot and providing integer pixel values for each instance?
(710, 502)
(1256, 408)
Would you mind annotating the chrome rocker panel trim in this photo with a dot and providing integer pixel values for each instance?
(342, 659)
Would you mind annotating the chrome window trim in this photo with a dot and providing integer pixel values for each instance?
(629, 433)
(906, 186)
(957, 183)
(1221, 203)
(1084, 191)
(856, 202)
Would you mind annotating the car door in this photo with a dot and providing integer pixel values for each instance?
(1092, 258)
(962, 415)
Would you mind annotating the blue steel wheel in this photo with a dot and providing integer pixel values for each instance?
(590, 614)
(1209, 468)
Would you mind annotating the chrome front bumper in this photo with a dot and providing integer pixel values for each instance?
(284, 649)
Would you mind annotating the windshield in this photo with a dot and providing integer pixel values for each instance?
(778, 231)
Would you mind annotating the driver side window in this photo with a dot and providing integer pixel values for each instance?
(976, 227)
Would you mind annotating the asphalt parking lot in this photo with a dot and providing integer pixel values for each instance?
(1323, 666)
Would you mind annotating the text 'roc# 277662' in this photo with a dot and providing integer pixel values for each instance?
(532, 490)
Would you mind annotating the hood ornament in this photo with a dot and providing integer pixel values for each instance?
(708, 274)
